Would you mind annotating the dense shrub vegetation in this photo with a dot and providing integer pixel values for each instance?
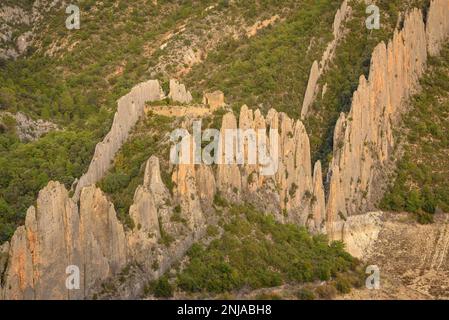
(74, 77)
(271, 69)
(126, 174)
(255, 251)
(422, 183)
(27, 168)
(160, 288)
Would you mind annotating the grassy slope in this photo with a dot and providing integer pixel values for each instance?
(271, 68)
(421, 184)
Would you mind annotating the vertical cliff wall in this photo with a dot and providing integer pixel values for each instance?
(318, 69)
(129, 109)
(291, 191)
(437, 27)
(57, 235)
(363, 139)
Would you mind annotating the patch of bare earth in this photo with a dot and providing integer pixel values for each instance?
(413, 260)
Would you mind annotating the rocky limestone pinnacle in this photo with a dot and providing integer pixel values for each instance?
(215, 100)
(437, 27)
(179, 93)
(318, 69)
(363, 140)
(59, 233)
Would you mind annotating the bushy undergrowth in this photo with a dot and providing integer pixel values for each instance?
(27, 168)
(352, 59)
(76, 87)
(255, 251)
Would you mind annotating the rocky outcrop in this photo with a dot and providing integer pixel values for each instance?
(56, 236)
(318, 204)
(28, 129)
(412, 258)
(179, 93)
(359, 233)
(102, 238)
(309, 96)
(179, 111)
(214, 100)
(437, 27)
(318, 69)
(290, 191)
(363, 139)
(130, 108)
(25, 18)
(58, 233)
(148, 214)
(11, 16)
(259, 25)
(186, 194)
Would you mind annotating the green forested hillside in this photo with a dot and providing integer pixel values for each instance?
(75, 86)
(271, 69)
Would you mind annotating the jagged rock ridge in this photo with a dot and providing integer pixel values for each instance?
(318, 69)
(363, 139)
(57, 233)
(130, 108)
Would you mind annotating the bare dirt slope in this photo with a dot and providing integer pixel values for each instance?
(413, 260)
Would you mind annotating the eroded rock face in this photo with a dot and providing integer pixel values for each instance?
(130, 108)
(102, 238)
(214, 100)
(146, 210)
(359, 232)
(15, 17)
(363, 140)
(9, 17)
(56, 236)
(59, 234)
(287, 191)
(318, 205)
(311, 89)
(179, 93)
(437, 27)
(28, 129)
(317, 70)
